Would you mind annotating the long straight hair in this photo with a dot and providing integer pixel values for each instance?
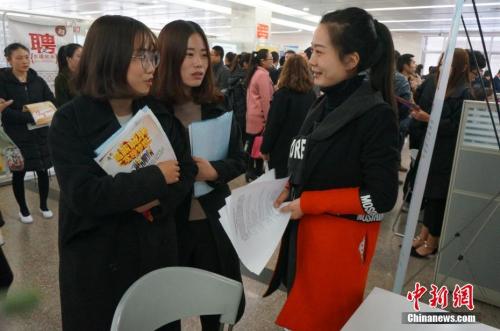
(354, 30)
(459, 74)
(173, 43)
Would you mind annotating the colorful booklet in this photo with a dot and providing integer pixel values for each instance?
(42, 113)
(210, 140)
(140, 143)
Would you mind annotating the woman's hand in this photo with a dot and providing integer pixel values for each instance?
(4, 104)
(294, 208)
(420, 115)
(170, 170)
(265, 157)
(148, 206)
(282, 197)
(206, 172)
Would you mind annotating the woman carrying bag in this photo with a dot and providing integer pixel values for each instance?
(259, 94)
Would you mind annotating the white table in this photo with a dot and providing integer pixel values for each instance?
(382, 310)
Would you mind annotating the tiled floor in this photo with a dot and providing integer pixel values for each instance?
(32, 252)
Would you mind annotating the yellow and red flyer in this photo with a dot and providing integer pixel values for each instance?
(140, 143)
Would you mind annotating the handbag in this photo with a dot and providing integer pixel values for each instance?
(257, 142)
(14, 158)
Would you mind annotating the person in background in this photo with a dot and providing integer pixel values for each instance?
(185, 84)
(496, 82)
(477, 62)
(344, 174)
(221, 72)
(68, 59)
(289, 108)
(407, 66)
(6, 275)
(236, 93)
(274, 72)
(436, 191)
(402, 89)
(419, 70)
(283, 59)
(113, 229)
(23, 85)
(228, 59)
(308, 51)
(259, 94)
(3, 105)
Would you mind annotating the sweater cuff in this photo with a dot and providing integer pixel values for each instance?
(335, 201)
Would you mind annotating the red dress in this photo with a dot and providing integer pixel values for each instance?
(333, 259)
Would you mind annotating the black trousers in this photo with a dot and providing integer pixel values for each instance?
(197, 249)
(6, 276)
(433, 215)
(255, 167)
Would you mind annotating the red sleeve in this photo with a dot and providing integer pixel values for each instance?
(335, 201)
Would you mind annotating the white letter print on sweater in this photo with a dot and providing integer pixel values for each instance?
(297, 149)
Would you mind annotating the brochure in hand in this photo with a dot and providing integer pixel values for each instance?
(140, 143)
(42, 113)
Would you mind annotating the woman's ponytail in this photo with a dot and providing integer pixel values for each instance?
(382, 70)
(255, 61)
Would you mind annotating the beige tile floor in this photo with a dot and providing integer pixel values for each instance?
(32, 252)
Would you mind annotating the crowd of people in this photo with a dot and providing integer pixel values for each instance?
(333, 118)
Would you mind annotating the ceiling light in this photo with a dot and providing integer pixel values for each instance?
(286, 32)
(486, 4)
(305, 9)
(202, 5)
(218, 27)
(437, 20)
(18, 15)
(90, 12)
(291, 24)
(279, 9)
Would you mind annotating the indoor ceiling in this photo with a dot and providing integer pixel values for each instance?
(288, 16)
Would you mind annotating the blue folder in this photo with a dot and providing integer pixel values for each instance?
(210, 140)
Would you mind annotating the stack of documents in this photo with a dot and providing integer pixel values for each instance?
(210, 140)
(140, 143)
(252, 223)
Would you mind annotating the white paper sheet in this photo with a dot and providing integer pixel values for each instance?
(252, 223)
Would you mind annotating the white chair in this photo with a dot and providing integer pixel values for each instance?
(169, 294)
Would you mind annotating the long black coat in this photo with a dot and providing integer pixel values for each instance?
(287, 113)
(104, 246)
(32, 143)
(227, 169)
(438, 180)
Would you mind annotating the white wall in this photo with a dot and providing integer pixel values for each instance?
(404, 42)
(409, 42)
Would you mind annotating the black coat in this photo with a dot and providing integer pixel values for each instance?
(63, 88)
(104, 246)
(438, 180)
(32, 143)
(354, 145)
(227, 169)
(287, 113)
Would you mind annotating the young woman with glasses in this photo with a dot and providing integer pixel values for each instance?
(105, 241)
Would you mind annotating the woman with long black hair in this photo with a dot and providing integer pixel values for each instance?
(23, 85)
(68, 59)
(344, 173)
(185, 84)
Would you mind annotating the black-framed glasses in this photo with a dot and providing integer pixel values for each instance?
(148, 58)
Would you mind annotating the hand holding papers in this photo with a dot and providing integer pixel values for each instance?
(252, 223)
(210, 141)
(140, 143)
(42, 113)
